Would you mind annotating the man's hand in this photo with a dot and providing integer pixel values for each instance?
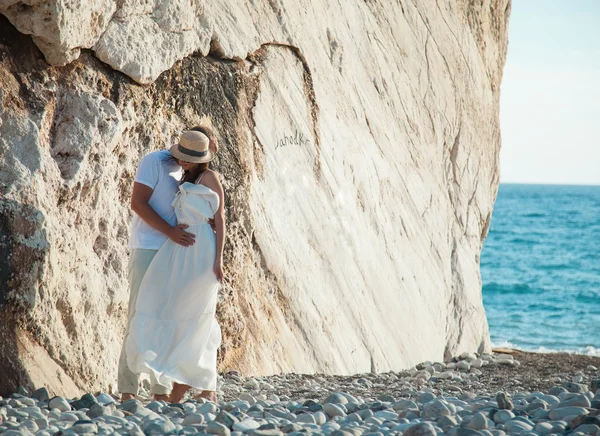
(211, 221)
(178, 235)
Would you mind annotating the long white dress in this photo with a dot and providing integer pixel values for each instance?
(174, 335)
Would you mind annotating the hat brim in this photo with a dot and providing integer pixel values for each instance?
(174, 150)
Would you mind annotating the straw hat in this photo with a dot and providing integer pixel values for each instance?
(192, 147)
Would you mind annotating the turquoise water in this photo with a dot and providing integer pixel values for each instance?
(540, 267)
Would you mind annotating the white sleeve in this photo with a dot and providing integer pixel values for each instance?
(148, 171)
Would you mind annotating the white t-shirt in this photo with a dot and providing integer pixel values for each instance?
(161, 173)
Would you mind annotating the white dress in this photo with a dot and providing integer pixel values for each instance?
(174, 335)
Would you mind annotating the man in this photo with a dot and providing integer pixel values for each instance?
(155, 185)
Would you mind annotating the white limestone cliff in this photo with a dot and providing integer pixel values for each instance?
(359, 148)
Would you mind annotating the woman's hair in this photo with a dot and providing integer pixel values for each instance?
(193, 174)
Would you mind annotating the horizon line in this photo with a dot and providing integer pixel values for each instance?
(552, 183)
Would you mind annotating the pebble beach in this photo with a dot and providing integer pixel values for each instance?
(504, 393)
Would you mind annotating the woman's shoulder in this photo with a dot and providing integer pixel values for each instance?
(210, 175)
(211, 181)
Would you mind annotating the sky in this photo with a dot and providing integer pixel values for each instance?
(550, 94)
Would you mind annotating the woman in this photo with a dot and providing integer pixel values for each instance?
(174, 335)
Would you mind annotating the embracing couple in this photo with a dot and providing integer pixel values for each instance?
(175, 268)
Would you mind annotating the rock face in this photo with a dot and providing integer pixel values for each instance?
(359, 149)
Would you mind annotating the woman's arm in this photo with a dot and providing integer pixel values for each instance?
(212, 181)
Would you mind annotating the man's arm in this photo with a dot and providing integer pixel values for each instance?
(139, 204)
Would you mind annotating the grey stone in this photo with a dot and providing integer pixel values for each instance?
(536, 404)
(217, 428)
(29, 425)
(386, 398)
(557, 390)
(289, 428)
(227, 419)
(130, 406)
(59, 403)
(246, 425)
(374, 406)
(582, 420)
(68, 416)
(341, 433)
(315, 408)
(320, 418)
(595, 385)
(268, 426)
(550, 399)
(336, 398)
(14, 402)
(209, 408)
(254, 408)
(588, 429)
(85, 402)
(410, 415)
(306, 418)
(465, 431)
(349, 397)
(159, 426)
(514, 426)
(352, 407)
(332, 410)
(454, 388)
(17, 413)
(463, 365)
(134, 430)
(541, 414)
(576, 400)
(478, 422)
(354, 417)
(421, 429)
(42, 423)
(22, 390)
(404, 405)
(310, 402)
(97, 410)
(447, 421)
(155, 406)
(41, 394)
(84, 427)
(546, 428)
(434, 409)
(105, 399)
(563, 412)
(425, 397)
(577, 388)
(193, 418)
(266, 433)
(467, 356)
(386, 415)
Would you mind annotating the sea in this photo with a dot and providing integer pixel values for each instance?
(540, 268)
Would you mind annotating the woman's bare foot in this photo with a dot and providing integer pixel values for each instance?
(207, 395)
(125, 397)
(164, 397)
(178, 392)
